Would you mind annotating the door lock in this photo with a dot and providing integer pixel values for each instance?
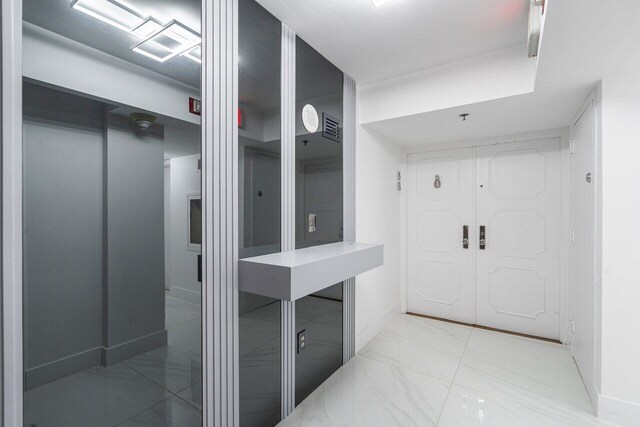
(482, 237)
(465, 237)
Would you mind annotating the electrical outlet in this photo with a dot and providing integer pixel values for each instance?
(302, 340)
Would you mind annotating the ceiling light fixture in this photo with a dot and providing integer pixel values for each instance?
(194, 54)
(147, 28)
(378, 3)
(172, 40)
(536, 22)
(111, 12)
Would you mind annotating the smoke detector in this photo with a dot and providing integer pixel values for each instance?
(143, 121)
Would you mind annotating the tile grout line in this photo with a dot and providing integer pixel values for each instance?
(144, 410)
(154, 381)
(453, 378)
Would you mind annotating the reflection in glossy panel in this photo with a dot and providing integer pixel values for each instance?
(319, 209)
(111, 223)
(259, 198)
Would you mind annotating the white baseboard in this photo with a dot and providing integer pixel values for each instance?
(376, 327)
(618, 411)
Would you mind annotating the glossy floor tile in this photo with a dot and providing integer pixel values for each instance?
(178, 310)
(545, 368)
(422, 345)
(161, 387)
(172, 412)
(94, 397)
(423, 372)
(366, 392)
(177, 365)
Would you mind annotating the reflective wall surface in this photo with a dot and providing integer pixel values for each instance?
(259, 198)
(319, 209)
(111, 215)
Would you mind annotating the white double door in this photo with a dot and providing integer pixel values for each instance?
(484, 236)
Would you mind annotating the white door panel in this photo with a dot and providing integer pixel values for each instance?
(441, 269)
(518, 202)
(513, 191)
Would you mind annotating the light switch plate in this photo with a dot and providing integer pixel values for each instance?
(302, 340)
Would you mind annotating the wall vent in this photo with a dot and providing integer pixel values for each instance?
(331, 128)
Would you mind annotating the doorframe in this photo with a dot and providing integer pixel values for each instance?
(12, 367)
(592, 101)
(560, 133)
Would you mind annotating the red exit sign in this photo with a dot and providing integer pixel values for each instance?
(195, 106)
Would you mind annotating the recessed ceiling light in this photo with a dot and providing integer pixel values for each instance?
(378, 3)
(147, 28)
(194, 54)
(172, 40)
(110, 12)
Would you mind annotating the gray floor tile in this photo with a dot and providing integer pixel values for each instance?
(173, 412)
(94, 397)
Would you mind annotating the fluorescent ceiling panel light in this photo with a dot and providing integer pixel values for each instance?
(194, 54)
(172, 40)
(147, 28)
(378, 3)
(110, 12)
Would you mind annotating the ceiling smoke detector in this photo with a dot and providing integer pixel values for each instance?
(143, 121)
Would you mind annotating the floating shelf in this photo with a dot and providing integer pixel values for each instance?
(295, 274)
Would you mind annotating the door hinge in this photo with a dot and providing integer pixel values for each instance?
(572, 236)
(399, 183)
(572, 325)
(572, 147)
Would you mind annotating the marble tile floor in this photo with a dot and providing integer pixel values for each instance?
(163, 387)
(423, 372)
(158, 388)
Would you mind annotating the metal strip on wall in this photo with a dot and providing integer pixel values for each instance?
(288, 220)
(12, 213)
(220, 212)
(349, 191)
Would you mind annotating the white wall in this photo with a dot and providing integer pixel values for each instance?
(496, 75)
(378, 220)
(58, 61)
(620, 375)
(185, 180)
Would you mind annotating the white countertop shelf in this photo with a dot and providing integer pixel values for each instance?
(294, 274)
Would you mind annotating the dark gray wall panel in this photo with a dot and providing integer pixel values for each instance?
(134, 304)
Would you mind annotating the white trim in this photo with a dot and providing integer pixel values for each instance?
(404, 241)
(12, 211)
(288, 212)
(619, 411)
(370, 332)
(560, 133)
(590, 383)
(193, 247)
(219, 187)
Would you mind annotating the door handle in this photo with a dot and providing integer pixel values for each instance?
(465, 236)
(483, 237)
(312, 222)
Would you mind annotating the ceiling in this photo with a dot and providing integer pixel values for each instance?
(58, 16)
(373, 44)
(259, 45)
(584, 41)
